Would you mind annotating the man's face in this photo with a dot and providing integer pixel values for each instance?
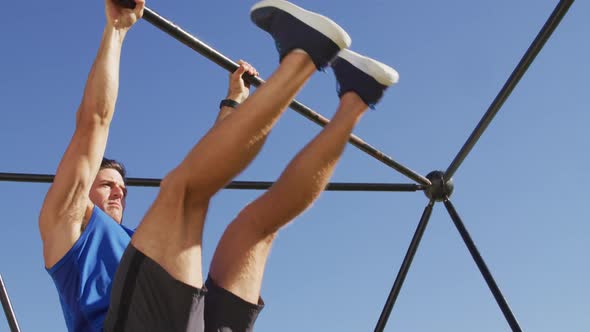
(108, 193)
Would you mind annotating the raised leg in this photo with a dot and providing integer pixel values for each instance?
(171, 231)
(240, 258)
(239, 261)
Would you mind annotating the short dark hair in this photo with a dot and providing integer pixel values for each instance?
(112, 163)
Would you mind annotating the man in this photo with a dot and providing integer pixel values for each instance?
(159, 285)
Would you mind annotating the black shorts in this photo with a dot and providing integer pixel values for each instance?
(146, 298)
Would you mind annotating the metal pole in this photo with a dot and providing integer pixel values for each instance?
(513, 80)
(205, 50)
(405, 267)
(255, 185)
(487, 275)
(12, 323)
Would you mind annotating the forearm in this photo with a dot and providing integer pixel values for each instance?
(238, 89)
(224, 111)
(100, 94)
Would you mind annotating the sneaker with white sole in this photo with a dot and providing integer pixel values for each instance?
(367, 77)
(293, 27)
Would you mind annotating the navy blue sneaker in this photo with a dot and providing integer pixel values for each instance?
(367, 77)
(293, 27)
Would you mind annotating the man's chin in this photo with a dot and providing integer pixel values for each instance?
(114, 213)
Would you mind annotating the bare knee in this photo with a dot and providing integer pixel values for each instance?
(255, 222)
(175, 186)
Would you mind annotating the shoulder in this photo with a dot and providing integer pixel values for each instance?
(61, 238)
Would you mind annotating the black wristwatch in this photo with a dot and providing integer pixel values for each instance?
(229, 103)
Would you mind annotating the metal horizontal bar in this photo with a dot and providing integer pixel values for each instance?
(252, 185)
(226, 63)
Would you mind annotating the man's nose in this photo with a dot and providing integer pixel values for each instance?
(117, 193)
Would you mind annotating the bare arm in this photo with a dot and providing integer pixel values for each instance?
(238, 89)
(67, 206)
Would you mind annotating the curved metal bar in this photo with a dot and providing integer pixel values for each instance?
(405, 267)
(513, 80)
(483, 268)
(10, 316)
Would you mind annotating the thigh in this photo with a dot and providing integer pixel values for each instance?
(240, 258)
(146, 298)
(171, 232)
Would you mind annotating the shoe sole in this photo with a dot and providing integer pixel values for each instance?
(379, 71)
(318, 22)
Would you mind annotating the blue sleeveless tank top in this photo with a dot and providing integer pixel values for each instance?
(84, 276)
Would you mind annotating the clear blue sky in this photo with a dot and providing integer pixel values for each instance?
(522, 192)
